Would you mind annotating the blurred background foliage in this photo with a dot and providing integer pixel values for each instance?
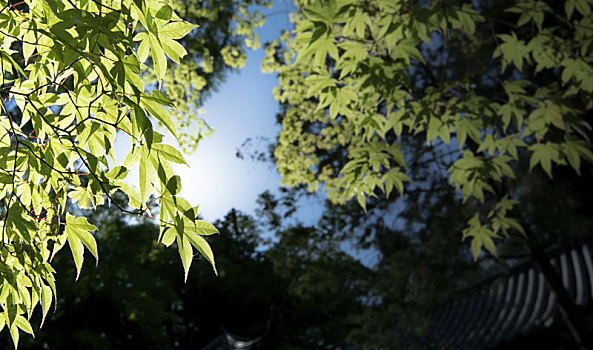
(301, 290)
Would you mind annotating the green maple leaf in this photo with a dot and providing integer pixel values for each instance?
(79, 235)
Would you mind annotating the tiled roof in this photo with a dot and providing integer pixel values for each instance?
(512, 303)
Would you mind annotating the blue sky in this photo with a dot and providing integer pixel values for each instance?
(243, 107)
